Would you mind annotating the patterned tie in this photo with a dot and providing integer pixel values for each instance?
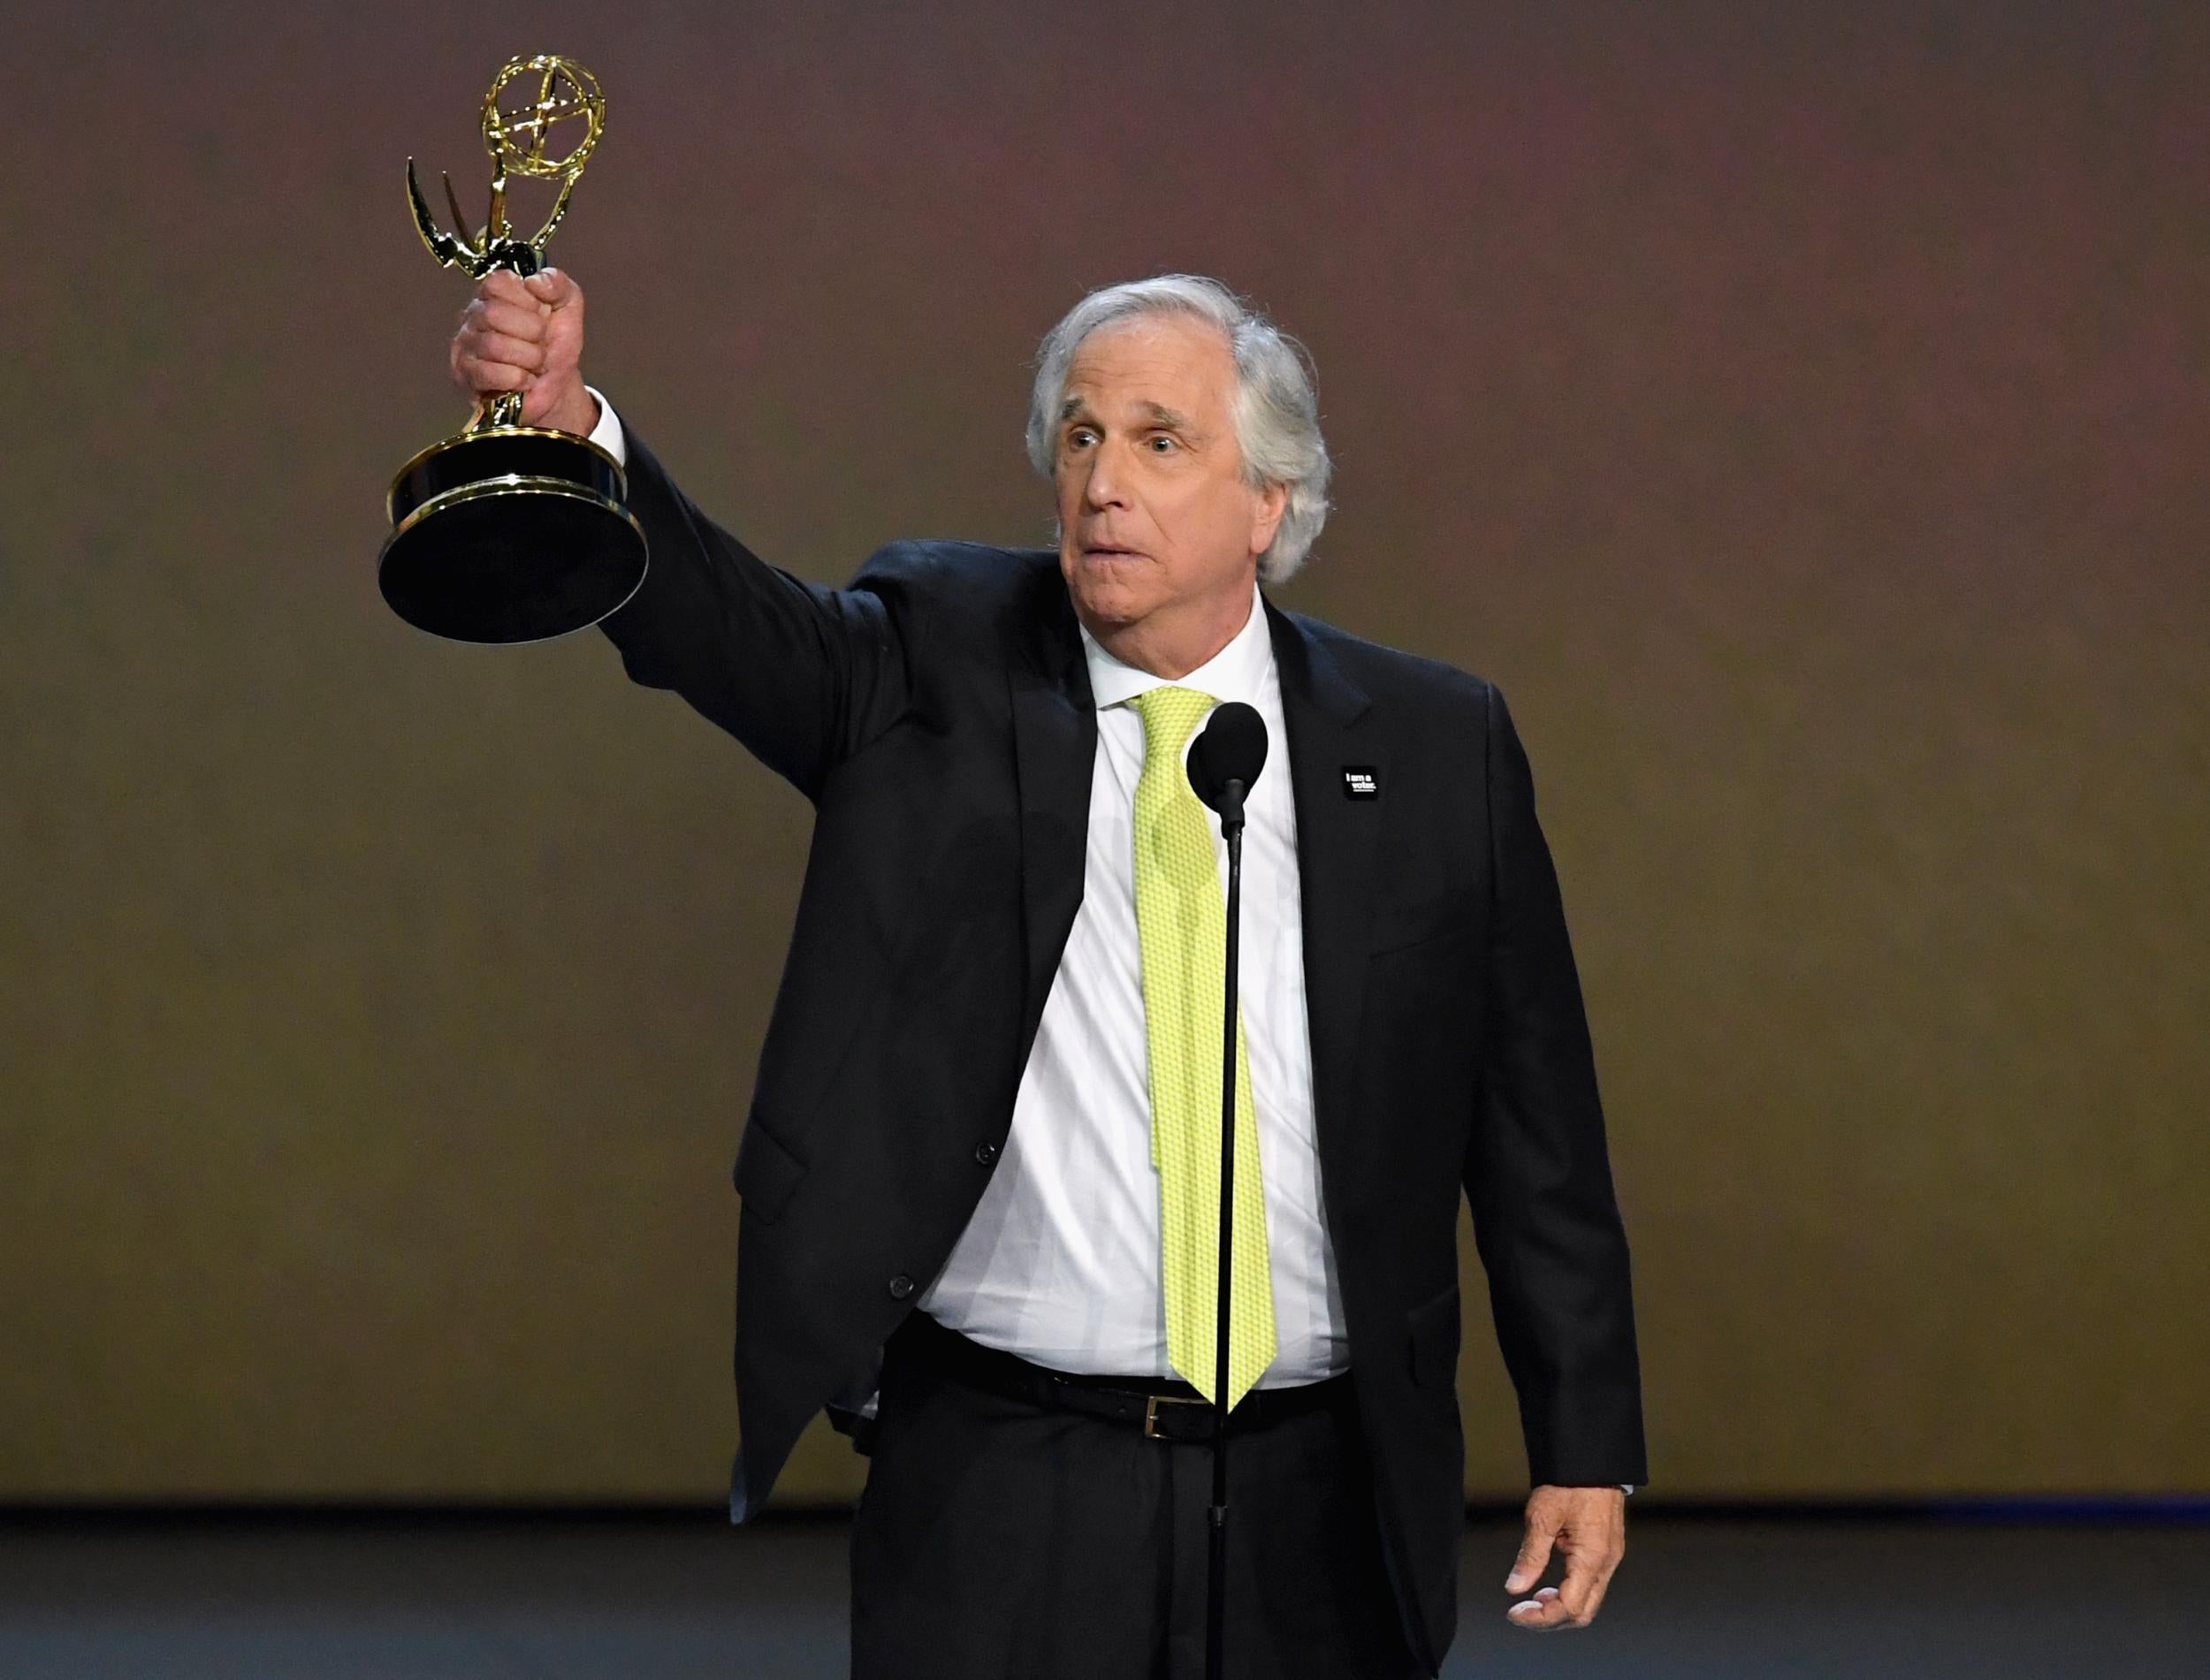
(1182, 925)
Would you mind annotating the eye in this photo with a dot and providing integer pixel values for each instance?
(1162, 443)
(1080, 437)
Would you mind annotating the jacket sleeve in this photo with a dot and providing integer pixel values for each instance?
(803, 676)
(1537, 1174)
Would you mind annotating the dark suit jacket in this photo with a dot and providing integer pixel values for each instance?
(937, 714)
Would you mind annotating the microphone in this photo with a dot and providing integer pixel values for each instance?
(1226, 757)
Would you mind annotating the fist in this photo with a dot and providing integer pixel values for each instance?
(526, 335)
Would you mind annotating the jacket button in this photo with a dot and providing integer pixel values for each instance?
(901, 1286)
(985, 1153)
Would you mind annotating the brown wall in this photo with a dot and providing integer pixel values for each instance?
(1801, 415)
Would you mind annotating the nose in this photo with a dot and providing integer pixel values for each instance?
(1101, 486)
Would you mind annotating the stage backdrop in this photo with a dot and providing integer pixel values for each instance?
(1799, 411)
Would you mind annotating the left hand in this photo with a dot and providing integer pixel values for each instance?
(1587, 1525)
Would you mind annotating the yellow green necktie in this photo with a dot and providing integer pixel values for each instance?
(1182, 925)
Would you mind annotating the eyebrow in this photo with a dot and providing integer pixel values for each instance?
(1162, 416)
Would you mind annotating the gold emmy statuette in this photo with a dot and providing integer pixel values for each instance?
(512, 533)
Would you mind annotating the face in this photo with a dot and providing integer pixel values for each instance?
(1156, 520)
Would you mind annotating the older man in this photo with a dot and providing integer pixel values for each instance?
(978, 1220)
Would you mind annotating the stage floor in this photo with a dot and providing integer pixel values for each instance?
(637, 1597)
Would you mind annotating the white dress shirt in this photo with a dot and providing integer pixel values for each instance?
(1060, 1262)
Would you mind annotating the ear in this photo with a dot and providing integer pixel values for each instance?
(1267, 507)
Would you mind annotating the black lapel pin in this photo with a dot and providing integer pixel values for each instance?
(1360, 781)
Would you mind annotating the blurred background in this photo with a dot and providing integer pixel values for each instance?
(1799, 411)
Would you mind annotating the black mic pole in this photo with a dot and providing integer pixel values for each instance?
(1217, 1563)
(1223, 762)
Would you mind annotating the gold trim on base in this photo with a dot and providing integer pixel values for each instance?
(507, 483)
(621, 477)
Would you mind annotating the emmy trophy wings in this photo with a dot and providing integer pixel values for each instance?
(451, 251)
(491, 245)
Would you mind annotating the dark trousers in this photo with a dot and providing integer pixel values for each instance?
(1001, 1539)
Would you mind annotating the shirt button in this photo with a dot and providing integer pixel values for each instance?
(985, 1153)
(901, 1286)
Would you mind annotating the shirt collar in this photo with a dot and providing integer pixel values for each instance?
(1237, 671)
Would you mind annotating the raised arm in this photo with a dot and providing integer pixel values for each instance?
(803, 676)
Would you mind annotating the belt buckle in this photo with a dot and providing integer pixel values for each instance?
(1151, 1404)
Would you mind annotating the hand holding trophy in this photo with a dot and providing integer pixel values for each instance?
(510, 532)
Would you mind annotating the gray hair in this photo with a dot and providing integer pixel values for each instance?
(1276, 413)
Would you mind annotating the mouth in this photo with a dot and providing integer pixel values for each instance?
(1110, 551)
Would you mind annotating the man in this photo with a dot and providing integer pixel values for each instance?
(979, 1223)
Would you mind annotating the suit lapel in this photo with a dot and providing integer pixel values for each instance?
(1055, 741)
(1338, 854)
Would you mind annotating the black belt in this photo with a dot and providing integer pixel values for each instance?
(1163, 1408)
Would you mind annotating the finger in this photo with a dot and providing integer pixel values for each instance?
(503, 285)
(495, 375)
(1607, 1567)
(1583, 1586)
(1595, 1600)
(1540, 1614)
(500, 347)
(517, 321)
(1534, 1558)
(553, 287)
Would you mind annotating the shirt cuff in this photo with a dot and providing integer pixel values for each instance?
(607, 433)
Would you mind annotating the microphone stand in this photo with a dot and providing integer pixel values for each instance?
(1217, 1565)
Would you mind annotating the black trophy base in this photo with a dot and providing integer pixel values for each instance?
(510, 533)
